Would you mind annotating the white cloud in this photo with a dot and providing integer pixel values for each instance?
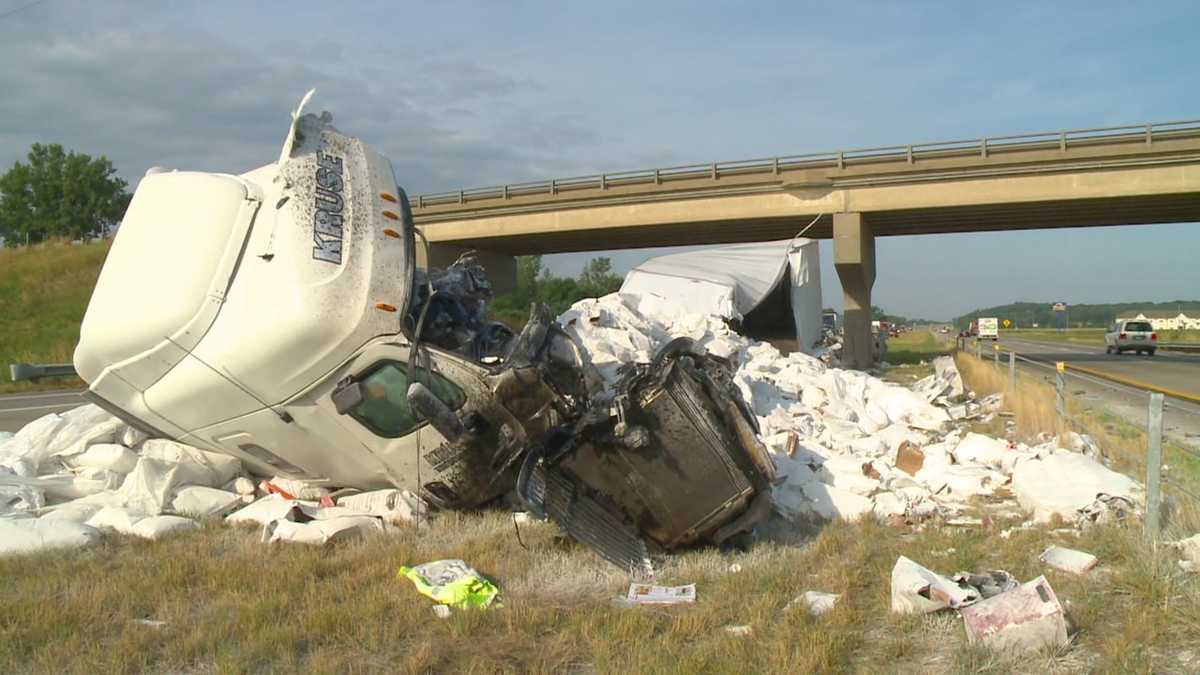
(192, 100)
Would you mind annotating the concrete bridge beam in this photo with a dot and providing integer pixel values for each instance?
(854, 259)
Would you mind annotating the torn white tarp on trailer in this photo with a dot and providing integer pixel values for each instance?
(731, 281)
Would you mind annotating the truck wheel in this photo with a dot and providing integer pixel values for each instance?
(1107, 349)
(1151, 352)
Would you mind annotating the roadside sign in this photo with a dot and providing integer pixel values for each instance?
(1007, 323)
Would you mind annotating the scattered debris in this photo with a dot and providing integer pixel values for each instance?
(198, 501)
(740, 630)
(321, 532)
(452, 583)
(441, 611)
(152, 623)
(1106, 510)
(1064, 483)
(917, 590)
(394, 506)
(1068, 559)
(816, 602)
(989, 584)
(964, 521)
(646, 594)
(1189, 548)
(29, 535)
(909, 458)
(1026, 618)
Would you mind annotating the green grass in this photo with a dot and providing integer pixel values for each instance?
(44, 291)
(232, 604)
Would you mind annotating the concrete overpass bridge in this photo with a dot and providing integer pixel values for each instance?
(1139, 174)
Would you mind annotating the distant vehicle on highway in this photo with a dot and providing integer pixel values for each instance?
(1130, 336)
(989, 328)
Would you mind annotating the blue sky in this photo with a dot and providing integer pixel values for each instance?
(473, 93)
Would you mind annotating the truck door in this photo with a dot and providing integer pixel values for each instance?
(417, 456)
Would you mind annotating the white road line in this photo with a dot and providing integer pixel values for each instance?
(38, 407)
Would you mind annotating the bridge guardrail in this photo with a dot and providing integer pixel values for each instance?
(1180, 346)
(911, 152)
(36, 371)
(1167, 456)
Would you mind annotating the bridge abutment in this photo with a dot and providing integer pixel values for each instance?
(854, 259)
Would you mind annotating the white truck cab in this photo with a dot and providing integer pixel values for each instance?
(230, 307)
(278, 316)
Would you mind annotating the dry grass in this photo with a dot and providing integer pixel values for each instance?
(44, 290)
(232, 604)
(1032, 403)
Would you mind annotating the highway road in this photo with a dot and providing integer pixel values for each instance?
(1169, 370)
(17, 410)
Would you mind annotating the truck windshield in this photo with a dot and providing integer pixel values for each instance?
(384, 408)
(1138, 326)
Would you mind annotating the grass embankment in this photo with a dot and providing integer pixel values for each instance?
(44, 290)
(1091, 336)
(232, 604)
(911, 355)
(1123, 443)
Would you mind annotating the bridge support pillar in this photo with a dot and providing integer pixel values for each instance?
(854, 259)
(501, 267)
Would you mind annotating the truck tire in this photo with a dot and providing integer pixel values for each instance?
(1151, 352)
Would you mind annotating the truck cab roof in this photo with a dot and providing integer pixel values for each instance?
(213, 280)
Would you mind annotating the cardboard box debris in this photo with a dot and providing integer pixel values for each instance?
(909, 458)
(1027, 618)
(918, 590)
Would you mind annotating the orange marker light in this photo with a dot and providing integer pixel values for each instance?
(391, 233)
(391, 214)
(385, 307)
(389, 197)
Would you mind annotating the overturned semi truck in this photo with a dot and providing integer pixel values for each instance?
(279, 316)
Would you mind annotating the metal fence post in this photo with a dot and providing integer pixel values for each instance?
(1154, 424)
(1060, 386)
(1012, 371)
(978, 349)
(996, 354)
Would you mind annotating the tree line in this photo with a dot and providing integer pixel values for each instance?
(535, 283)
(1026, 314)
(58, 193)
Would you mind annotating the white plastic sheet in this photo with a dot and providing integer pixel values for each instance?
(1066, 482)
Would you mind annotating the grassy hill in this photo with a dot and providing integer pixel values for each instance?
(44, 291)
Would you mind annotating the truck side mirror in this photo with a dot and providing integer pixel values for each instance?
(438, 414)
(348, 394)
